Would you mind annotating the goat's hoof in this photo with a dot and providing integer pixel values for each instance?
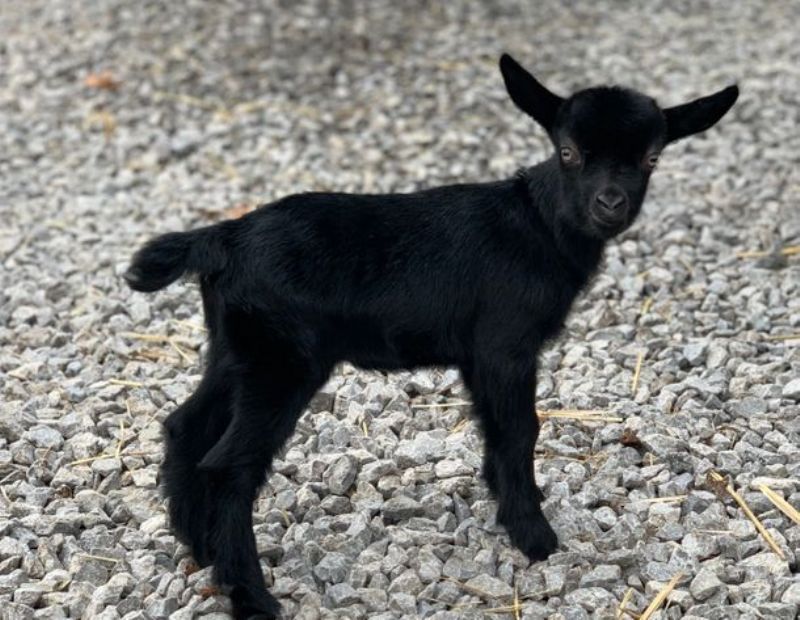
(533, 536)
(249, 605)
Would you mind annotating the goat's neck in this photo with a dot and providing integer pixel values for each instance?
(580, 252)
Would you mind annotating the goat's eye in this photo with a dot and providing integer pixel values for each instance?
(652, 160)
(569, 155)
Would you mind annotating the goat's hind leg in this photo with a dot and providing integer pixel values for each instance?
(268, 403)
(190, 431)
(236, 565)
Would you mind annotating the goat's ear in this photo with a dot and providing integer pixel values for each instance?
(700, 114)
(528, 94)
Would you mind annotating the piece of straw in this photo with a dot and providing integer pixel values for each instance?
(121, 436)
(504, 610)
(462, 424)
(636, 372)
(186, 357)
(158, 338)
(585, 415)
(780, 503)
(189, 325)
(664, 500)
(126, 383)
(646, 305)
(661, 597)
(89, 459)
(789, 250)
(99, 558)
(581, 458)
(442, 405)
(623, 604)
(721, 482)
(472, 589)
(792, 336)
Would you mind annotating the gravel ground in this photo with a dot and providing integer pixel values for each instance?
(376, 509)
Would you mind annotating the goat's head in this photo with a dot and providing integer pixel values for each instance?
(608, 141)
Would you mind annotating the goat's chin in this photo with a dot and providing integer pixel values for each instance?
(603, 230)
(606, 234)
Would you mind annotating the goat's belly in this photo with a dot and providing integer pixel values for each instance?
(368, 345)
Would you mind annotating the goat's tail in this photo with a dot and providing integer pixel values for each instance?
(164, 259)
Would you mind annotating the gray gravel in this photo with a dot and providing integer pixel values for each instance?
(376, 509)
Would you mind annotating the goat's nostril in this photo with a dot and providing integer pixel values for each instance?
(611, 200)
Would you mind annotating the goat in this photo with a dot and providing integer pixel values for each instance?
(477, 276)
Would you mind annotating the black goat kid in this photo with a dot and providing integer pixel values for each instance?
(476, 276)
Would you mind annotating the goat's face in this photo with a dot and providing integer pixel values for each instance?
(607, 141)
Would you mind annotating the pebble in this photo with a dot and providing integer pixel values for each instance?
(705, 584)
(401, 508)
(340, 475)
(792, 594)
(332, 568)
(44, 437)
(791, 390)
(419, 450)
(491, 585)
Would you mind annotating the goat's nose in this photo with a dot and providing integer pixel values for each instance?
(611, 199)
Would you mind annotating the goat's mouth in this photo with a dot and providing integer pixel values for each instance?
(608, 226)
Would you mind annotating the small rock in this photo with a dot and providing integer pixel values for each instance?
(705, 584)
(424, 447)
(44, 437)
(162, 607)
(332, 568)
(778, 611)
(374, 598)
(554, 579)
(421, 382)
(792, 594)
(401, 508)
(16, 611)
(695, 353)
(28, 595)
(491, 585)
(107, 466)
(408, 582)
(340, 475)
(342, 595)
(448, 468)
(460, 568)
(792, 390)
(146, 478)
(595, 600)
(605, 517)
(602, 576)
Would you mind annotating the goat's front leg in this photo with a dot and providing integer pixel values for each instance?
(504, 400)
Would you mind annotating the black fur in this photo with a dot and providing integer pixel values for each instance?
(476, 276)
